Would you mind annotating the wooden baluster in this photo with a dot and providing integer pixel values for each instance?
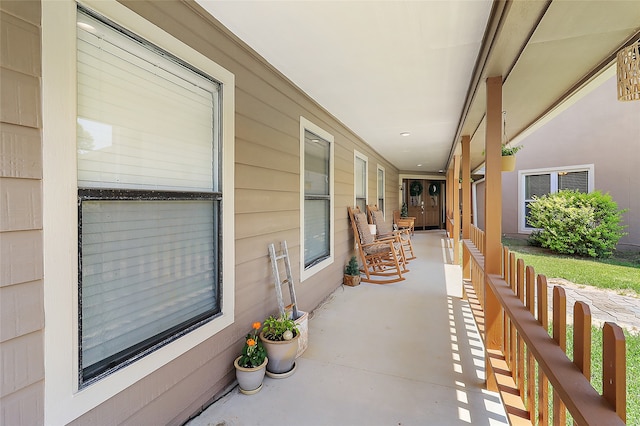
(560, 337)
(531, 362)
(543, 382)
(582, 339)
(512, 332)
(506, 322)
(520, 342)
(614, 367)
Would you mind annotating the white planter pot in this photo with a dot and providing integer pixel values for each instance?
(282, 355)
(250, 379)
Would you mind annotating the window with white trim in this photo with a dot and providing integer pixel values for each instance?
(67, 396)
(360, 165)
(381, 188)
(149, 197)
(317, 198)
(539, 182)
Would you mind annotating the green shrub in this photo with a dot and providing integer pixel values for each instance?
(572, 222)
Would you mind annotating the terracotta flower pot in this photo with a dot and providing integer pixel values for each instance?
(250, 379)
(282, 355)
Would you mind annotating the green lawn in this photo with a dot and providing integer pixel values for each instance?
(621, 273)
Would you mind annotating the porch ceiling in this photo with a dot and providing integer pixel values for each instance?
(387, 67)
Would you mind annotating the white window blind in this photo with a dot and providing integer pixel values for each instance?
(147, 267)
(149, 191)
(143, 121)
(317, 199)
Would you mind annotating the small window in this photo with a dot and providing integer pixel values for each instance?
(381, 188)
(317, 198)
(149, 197)
(536, 183)
(360, 180)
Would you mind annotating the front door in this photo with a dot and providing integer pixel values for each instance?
(432, 204)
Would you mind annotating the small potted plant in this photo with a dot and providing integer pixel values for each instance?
(280, 339)
(251, 365)
(509, 157)
(404, 212)
(352, 273)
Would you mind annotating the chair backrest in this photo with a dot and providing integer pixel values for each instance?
(360, 225)
(377, 217)
(396, 216)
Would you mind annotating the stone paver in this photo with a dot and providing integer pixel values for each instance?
(605, 305)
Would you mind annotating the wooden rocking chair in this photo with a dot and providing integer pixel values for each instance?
(385, 229)
(380, 257)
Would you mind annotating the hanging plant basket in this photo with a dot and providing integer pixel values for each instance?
(434, 189)
(415, 188)
(508, 163)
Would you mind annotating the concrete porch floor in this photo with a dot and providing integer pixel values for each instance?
(406, 353)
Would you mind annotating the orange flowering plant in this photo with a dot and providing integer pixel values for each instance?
(253, 353)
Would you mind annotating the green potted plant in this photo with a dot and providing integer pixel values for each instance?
(280, 338)
(352, 273)
(251, 364)
(509, 157)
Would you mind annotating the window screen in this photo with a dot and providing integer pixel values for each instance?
(577, 181)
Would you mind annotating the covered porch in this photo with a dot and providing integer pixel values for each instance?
(422, 362)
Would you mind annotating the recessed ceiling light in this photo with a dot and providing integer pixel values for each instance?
(405, 134)
(419, 165)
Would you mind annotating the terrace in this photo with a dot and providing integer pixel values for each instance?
(409, 89)
(424, 360)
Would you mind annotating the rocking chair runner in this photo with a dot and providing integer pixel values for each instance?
(385, 229)
(380, 258)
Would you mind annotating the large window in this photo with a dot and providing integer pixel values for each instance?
(381, 189)
(149, 196)
(317, 198)
(360, 180)
(126, 175)
(536, 183)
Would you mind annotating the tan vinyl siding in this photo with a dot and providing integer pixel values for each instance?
(267, 209)
(21, 270)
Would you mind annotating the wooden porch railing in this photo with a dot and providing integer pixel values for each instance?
(530, 359)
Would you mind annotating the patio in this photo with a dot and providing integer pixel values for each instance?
(399, 354)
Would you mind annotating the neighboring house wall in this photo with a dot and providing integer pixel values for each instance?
(478, 194)
(267, 209)
(21, 266)
(597, 130)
